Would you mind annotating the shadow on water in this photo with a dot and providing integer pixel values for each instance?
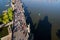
(43, 30)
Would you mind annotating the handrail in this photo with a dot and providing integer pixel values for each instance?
(4, 25)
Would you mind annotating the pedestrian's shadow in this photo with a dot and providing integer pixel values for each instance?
(43, 31)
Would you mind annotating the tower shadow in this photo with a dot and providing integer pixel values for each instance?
(43, 31)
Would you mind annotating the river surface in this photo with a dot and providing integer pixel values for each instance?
(4, 4)
(39, 10)
(44, 8)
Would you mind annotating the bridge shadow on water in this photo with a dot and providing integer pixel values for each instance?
(43, 30)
